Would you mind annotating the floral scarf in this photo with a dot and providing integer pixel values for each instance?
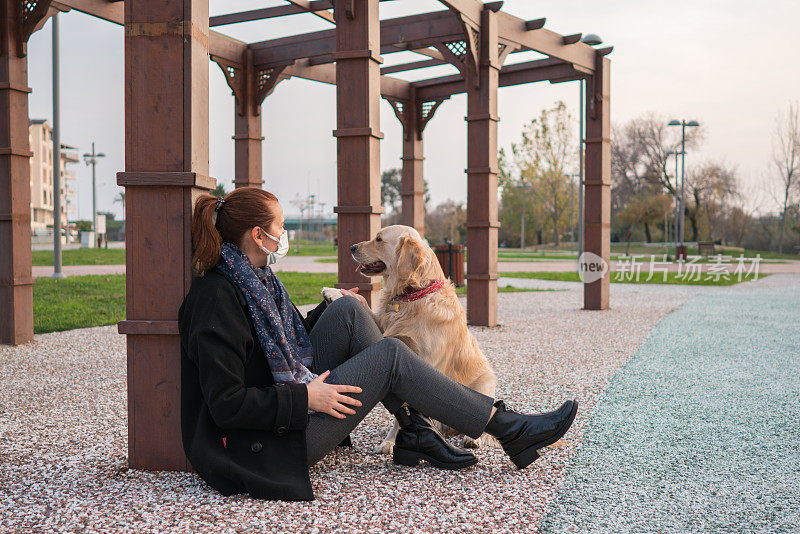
(279, 327)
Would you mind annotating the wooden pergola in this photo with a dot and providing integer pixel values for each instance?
(167, 48)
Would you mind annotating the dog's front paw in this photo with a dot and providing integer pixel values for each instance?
(484, 441)
(470, 443)
(330, 294)
(386, 447)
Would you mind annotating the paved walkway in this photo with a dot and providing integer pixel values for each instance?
(699, 431)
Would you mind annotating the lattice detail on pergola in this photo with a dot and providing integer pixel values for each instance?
(234, 75)
(426, 111)
(264, 76)
(503, 50)
(266, 80)
(399, 108)
(458, 48)
(463, 53)
(30, 15)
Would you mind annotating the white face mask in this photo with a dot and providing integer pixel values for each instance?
(283, 247)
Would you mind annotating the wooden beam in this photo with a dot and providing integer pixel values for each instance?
(430, 52)
(536, 24)
(544, 41)
(267, 13)
(403, 33)
(413, 65)
(469, 10)
(520, 73)
(219, 45)
(393, 87)
(311, 7)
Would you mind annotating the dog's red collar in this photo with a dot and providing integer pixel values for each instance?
(424, 292)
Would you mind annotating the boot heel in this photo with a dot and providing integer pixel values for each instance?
(525, 458)
(405, 457)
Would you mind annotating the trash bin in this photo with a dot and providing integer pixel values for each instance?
(451, 258)
(680, 252)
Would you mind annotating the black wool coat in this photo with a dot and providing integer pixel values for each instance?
(227, 390)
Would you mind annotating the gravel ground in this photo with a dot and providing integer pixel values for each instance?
(63, 436)
(699, 431)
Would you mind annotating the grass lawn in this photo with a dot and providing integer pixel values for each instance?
(78, 302)
(82, 256)
(97, 300)
(658, 278)
(311, 248)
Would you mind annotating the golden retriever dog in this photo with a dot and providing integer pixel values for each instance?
(419, 306)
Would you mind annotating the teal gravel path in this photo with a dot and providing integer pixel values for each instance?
(700, 430)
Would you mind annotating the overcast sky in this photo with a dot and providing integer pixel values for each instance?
(729, 64)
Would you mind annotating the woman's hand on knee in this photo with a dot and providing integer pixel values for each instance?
(331, 398)
(354, 293)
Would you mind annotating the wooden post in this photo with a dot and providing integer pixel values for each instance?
(16, 283)
(597, 207)
(482, 221)
(166, 168)
(247, 130)
(412, 189)
(357, 133)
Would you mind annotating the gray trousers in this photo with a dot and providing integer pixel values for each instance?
(347, 341)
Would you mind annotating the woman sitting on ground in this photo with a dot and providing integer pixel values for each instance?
(267, 393)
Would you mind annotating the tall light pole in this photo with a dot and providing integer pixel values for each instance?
(683, 124)
(677, 196)
(590, 39)
(572, 178)
(57, 272)
(91, 159)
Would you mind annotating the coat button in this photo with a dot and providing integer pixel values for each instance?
(256, 446)
(281, 430)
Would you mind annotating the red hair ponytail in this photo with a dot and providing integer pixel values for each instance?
(242, 209)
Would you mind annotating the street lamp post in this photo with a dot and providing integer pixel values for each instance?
(683, 124)
(677, 195)
(91, 159)
(57, 272)
(572, 178)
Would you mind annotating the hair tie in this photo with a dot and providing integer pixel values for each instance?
(220, 202)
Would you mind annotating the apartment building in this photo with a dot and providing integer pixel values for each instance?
(41, 140)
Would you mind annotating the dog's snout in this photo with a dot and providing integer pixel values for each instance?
(353, 248)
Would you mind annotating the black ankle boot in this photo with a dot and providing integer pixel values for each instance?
(418, 440)
(521, 434)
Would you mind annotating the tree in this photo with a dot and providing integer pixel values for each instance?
(391, 183)
(448, 220)
(121, 199)
(709, 187)
(219, 191)
(646, 208)
(641, 164)
(542, 158)
(391, 197)
(786, 159)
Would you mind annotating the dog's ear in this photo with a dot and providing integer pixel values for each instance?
(412, 261)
